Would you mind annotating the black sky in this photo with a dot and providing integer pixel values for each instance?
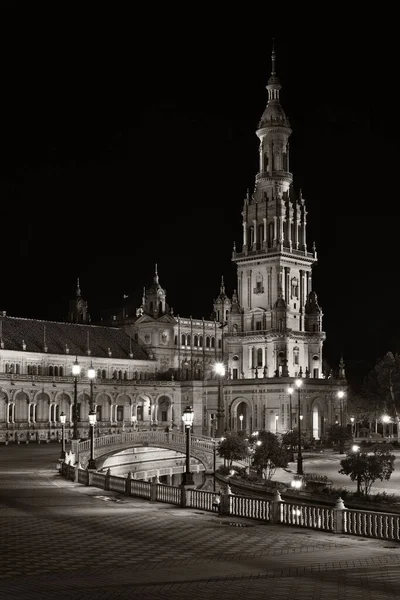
(122, 149)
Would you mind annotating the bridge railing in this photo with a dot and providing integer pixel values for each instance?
(199, 442)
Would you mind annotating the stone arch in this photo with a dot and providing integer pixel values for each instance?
(241, 406)
(123, 402)
(21, 401)
(103, 402)
(318, 419)
(143, 405)
(63, 400)
(83, 406)
(164, 409)
(42, 400)
(3, 406)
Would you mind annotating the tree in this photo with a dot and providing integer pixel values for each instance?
(339, 435)
(365, 467)
(291, 438)
(382, 388)
(233, 447)
(269, 453)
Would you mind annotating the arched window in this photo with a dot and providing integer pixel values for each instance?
(61, 371)
(34, 369)
(259, 357)
(40, 370)
(201, 341)
(207, 342)
(56, 371)
(119, 374)
(219, 343)
(296, 353)
(51, 370)
(188, 340)
(270, 235)
(213, 342)
(183, 339)
(98, 373)
(29, 369)
(195, 341)
(103, 374)
(17, 369)
(125, 374)
(7, 368)
(265, 162)
(218, 316)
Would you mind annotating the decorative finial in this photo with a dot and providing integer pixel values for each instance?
(130, 347)
(78, 289)
(234, 246)
(144, 297)
(156, 275)
(222, 288)
(88, 350)
(273, 57)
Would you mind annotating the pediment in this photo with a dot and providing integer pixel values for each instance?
(166, 319)
(144, 319)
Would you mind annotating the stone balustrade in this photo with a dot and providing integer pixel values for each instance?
(337, 519)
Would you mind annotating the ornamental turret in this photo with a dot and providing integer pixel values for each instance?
(222, 304)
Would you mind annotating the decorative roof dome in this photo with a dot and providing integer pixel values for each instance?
(273, 113)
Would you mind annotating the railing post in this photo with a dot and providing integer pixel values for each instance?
(153, 490)
(338, 516)
(275, 509)
(107, 480)
(89, 477)
(226, 501)
(128, 481)
(184, 495)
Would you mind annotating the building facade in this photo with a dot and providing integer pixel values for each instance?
(150, 363)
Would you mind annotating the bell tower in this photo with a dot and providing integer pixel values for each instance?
(280, 333)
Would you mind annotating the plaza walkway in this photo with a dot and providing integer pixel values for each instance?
(62, 540)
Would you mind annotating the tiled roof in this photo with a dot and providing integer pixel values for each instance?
(14, 331)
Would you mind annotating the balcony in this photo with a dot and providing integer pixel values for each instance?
(274, 174)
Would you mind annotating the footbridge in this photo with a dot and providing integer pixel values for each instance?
(202, 448)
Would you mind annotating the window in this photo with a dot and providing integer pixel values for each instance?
(103, 374)
(139, 413)
(99, 413)
(201, 341)
(51, 370)
(219, 343)
(196, 341)
(164, 416)
(183, 339)
(176, 340)
(120, 413)
(17, 369)
(234, 373)
(56, 371)
(258, 325)
(315, 373)
(213, 342)
(188, 340)
(296, 353)
(98, 374)
(61, 371)
(207, 342)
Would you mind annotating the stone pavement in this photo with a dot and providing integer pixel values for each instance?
(63, 540)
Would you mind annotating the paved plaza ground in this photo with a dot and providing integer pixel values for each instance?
(63, 540)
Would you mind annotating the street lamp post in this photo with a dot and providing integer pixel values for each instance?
(340, 395)
(91, 374)
(187, 419)
(290, 392)
(299, 383)
(241, 422)
(219, 369)
(385, 421)
(352, 426)
(63, 418)
(76, 371)
(92, 421)
(276, 423)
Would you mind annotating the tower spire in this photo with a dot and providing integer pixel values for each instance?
(156, 275)
(273, 58)
(222, 287)
(78, 289)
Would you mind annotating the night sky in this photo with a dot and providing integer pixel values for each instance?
(122, 151)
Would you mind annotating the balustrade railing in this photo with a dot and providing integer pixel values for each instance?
(200, 499)
(168, 493)
(304, 515)
(335, 520)
(252, 508)
(376, 525)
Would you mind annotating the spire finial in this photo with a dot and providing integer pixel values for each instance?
(273, 57)
(222, 288)
(156, 275)
(78, 289)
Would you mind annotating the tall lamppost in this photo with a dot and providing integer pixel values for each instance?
(187, 419)
(63, 418)
(92, 421)
(76, 371)
(91, 374)
(219, 369)
(340, 395)
(276, 423)
(241, 422)
(385, 421)
(290, 392)
(298, 384)
(352, 426)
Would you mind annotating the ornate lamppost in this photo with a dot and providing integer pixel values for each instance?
(187, 419)
(241, 422)
(290, 392)
(340, 395)
(352, 426)
(92, 421)
(76, 371)
(91, 373)
(298, 384)
(63, 418)
(219, 369)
